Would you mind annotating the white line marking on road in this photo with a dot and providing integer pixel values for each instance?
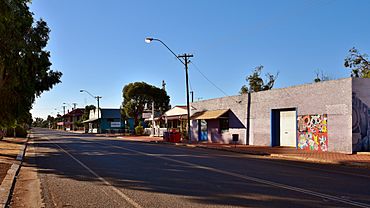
(119, 192)
(262, 181)
(276, 160)
(267, 159)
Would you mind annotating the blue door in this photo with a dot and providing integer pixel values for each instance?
(203, 130)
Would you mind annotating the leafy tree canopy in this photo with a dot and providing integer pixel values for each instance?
(358, 63)
(40, 122)
(24, 63)
(256, 83)
(138, 95)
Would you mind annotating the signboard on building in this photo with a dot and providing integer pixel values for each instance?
(115, 124)
(146, 115)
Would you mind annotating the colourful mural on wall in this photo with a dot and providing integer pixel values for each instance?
(313, 132)
(360, 125)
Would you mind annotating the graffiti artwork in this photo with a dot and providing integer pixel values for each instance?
(313, 132)
(360, 125)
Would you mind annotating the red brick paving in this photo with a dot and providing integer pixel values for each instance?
(293, 153)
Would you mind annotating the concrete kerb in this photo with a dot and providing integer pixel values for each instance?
(307, 159)
(7, 186)
(322, 161)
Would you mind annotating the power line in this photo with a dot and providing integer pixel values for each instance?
(191, 88)
(205, 77)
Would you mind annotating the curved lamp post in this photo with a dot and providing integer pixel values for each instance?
(98, 100)
(184, 59)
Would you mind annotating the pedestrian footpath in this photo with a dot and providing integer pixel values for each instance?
(11, 156)
(360, 159)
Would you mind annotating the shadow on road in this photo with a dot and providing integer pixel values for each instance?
(131, 171)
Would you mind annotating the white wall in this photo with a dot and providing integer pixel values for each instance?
(330, 97)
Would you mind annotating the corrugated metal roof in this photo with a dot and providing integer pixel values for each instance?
(206, 115)
(176, 111)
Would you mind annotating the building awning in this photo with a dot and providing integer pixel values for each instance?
(155, 119)
(90, 120)
(178, 117)
(207, 115)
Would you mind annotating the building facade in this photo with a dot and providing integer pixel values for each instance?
(107, 121)
(326, 116)
(72, 120)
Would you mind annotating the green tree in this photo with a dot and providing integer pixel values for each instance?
(358, 63)
(24, 63)
(256, 83)
(38, 122)
(137, 95)
(49, 122)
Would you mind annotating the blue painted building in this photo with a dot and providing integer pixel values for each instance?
(104, 121)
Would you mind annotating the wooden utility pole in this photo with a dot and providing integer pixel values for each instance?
(186, 62)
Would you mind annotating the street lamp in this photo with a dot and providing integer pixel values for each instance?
(184, 59)
(98, 99)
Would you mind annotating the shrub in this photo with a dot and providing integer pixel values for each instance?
(139, 130)
(2, 134)
(17, 132)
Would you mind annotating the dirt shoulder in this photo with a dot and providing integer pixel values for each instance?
(9, 150)
(4, 167)
(27, 190)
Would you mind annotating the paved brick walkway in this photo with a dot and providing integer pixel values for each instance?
(293, 153)
(141, 138)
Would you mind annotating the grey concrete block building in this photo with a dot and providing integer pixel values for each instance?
(327, 116)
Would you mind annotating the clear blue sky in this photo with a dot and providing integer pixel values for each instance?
(99, 45)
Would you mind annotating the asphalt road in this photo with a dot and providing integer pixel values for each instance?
(86, 171)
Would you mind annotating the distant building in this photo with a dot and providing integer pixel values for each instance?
(71, 120)
(175, 119)
(109, 121)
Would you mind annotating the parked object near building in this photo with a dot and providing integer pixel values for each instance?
(326, 116)
(172, 136)
(109, 121)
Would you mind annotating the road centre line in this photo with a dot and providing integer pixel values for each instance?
(249, 178)
(119, 192)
